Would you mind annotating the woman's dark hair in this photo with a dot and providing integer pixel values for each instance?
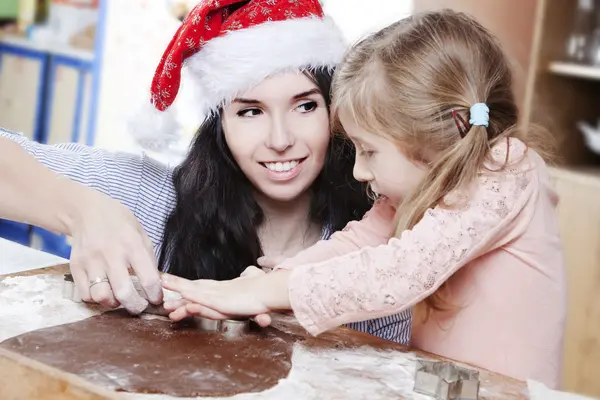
(212, 232)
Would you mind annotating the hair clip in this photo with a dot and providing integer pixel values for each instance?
(464, 129)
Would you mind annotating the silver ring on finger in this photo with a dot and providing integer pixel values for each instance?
(98, 280)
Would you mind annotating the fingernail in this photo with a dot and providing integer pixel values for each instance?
(155, 294)
(164, 277)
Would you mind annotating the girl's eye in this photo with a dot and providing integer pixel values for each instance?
(308, 106)
(366, 153)
(249, 112)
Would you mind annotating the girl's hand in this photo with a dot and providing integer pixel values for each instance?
(108, 241)
(268, 263)
(194, 309)
(263, 320)
(252, 271)
(244, 296)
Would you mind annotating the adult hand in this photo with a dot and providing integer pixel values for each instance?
(108, 241)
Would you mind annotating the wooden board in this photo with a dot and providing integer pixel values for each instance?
(23, 378)
(43, 380)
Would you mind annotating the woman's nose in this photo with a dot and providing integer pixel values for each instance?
(280, 137)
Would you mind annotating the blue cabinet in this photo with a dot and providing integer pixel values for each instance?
(15, 232)
(49, 98)
(22, 88)
(51, 92)
(68, 105)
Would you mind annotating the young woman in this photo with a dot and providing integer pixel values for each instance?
(264, 175)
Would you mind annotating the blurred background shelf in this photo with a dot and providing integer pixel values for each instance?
(49, 47)
(73, 71)
(575, 70)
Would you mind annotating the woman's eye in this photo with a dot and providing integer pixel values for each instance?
(249, 112)
(308, 106)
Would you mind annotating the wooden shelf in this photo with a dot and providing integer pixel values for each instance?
(575, 70)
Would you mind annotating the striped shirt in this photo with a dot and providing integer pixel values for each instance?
(145, 186)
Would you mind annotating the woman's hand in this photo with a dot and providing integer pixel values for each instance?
(108, 241)
(250, 295)
(107, 238)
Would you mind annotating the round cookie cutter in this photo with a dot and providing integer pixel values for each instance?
(209, 325)
(234, 328)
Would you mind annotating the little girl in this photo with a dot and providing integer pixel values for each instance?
(474, 242)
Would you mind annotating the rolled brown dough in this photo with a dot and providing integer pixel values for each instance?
(131, 354)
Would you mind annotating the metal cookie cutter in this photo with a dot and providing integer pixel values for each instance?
(69, 291)
(208, 325)
(234, 328)
(446, 381)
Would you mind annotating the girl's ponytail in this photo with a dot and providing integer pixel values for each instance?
(455, 168)
(412, 83)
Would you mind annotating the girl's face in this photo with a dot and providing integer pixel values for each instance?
(380, 163)
(278, 133)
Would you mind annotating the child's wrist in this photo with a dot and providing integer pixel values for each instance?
(274, 290)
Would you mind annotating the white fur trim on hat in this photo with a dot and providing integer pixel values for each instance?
(231, 64)
(153, 129)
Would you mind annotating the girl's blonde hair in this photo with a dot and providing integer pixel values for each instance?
(405, 81)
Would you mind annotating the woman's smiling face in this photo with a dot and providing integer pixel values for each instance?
(278, 133)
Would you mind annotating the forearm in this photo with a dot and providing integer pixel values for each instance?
(33, 194)
(273, 289)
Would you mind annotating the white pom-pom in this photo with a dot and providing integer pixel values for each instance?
(154, 129)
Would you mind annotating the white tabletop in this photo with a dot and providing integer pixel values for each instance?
(15, 258)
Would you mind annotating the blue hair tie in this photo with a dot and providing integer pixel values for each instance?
(480, 115)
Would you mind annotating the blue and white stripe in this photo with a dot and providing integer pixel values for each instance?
(145, 186)
(396, 328)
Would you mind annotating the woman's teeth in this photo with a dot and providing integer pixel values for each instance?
(282, 166)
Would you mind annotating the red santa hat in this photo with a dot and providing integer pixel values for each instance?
(226, 47)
